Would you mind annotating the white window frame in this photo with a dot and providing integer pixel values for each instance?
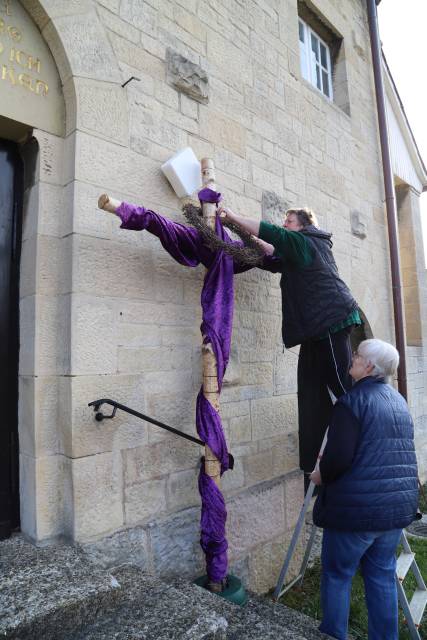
(312, 65)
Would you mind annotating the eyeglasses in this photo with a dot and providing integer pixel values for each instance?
(357, 355)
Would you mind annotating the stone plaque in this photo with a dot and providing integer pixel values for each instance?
(30, 87)
(273, 208)
(186, 76)
(358, 224)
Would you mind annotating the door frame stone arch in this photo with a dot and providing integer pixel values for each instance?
(49, 295)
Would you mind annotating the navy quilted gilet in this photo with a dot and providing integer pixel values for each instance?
(380, 490)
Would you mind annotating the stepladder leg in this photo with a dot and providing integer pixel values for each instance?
(294, 541)
(295, 536)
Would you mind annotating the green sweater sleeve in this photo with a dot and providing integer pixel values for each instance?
(289, 245)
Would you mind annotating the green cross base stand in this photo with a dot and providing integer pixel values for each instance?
(234, 592)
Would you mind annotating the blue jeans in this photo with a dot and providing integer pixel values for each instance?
(375, 551)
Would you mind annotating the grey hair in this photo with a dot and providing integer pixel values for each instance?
(382, 355)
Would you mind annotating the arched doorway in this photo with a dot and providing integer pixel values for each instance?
(11, 193)
(45, 53)
(31, 100)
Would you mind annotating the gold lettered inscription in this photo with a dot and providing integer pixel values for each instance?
(14, 33)
(30, 86)
(7, 73)
(20, 58)
(25, 60)
(41, 88)
(26, 81)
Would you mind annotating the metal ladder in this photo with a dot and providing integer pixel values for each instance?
(413, 610)
(280, 590)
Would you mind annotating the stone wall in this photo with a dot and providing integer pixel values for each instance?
(133, 333)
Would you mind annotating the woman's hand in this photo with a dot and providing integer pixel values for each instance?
(226, 215)
(265, 246)
(247, 224)
(316, 477)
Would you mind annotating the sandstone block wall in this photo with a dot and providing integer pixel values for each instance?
(121, 319)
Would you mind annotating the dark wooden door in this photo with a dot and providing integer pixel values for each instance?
(11, 188)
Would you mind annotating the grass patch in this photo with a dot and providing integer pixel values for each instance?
(307, 597)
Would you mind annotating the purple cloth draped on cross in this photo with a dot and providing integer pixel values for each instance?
(186, 246)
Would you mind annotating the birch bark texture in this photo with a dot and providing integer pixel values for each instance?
(209, 364)
(186, 245)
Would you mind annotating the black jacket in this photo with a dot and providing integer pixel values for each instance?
(314, 298)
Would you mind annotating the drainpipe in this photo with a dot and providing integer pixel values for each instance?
(390, 199)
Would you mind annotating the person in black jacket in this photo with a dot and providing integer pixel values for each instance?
(369, 492)
(318, 313)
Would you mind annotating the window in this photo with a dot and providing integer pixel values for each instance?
(315, 59)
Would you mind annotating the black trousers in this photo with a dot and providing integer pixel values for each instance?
(321, 364)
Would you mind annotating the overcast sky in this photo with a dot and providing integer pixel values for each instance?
(403, 35)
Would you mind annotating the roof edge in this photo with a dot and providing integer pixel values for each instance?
(407, 131)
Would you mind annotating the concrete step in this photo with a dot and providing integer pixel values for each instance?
(55, 593)
(152, 610)
(285, 617)
(46, 589)
(260, 618)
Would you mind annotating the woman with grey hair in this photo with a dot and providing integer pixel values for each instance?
(318, 312)
(382, 356)
(369, 492)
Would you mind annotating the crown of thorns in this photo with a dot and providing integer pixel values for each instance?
(250, 253)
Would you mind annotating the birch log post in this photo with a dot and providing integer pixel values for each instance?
(108, 204)
(210, 375)
(213, 540)
(209, 365)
